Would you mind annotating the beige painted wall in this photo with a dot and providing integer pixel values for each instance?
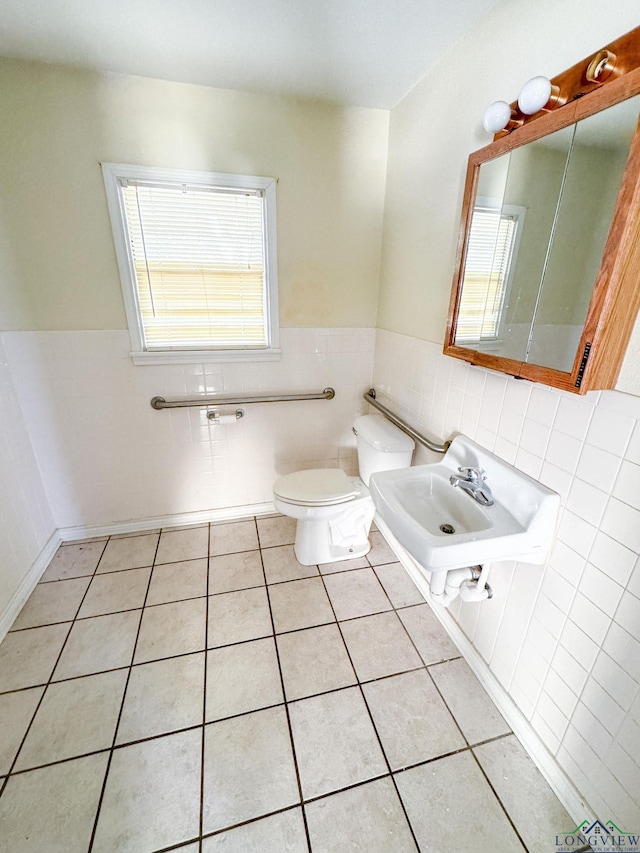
(59, 123)
(435, 128)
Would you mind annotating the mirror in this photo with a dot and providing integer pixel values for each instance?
(548, 260)
(539, 222)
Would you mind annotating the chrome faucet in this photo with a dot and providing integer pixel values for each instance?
(474, 482)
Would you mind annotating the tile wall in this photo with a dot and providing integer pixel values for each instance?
(564, 638)
(26, 523)
(106, 456)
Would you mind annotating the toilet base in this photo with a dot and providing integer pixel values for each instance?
(333, 532)
(314, 545)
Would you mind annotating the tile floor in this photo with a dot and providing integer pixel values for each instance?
(197, 689)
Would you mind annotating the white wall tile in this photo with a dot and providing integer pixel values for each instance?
(612, 558)
(628, 614)
(600, 589)
(605, 709)
(633, 584)
(610, 431)
(575, 532)
(627, 772)
(587, 501)
(629, 736)
(573, 417)
(577, 631)
(579, 645)
(627, 487)
(534, 437)
(633, 450)
(584, 612)
(598, 467)
(561, 693)
(624, 649)
(622, 523)
(563, 451)
(591, 729)
(567, 562)
(92, 424)
(543, 405)
(615, 680)
(558, 590)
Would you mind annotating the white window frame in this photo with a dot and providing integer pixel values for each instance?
(114, 174)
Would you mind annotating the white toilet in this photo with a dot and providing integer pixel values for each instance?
(334, 512)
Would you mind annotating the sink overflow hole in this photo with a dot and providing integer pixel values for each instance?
(447, 528)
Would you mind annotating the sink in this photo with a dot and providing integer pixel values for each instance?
(444, 528)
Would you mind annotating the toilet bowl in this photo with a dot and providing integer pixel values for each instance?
(334, 511)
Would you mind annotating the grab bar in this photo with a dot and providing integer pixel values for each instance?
(217, 400)
(370, 397)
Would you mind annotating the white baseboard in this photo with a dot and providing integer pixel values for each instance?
(557, 779)
(28, 584)
(89, 531)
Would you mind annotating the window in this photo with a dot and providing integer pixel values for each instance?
(491, 252)
(197, 259)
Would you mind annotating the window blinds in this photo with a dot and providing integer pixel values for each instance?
(199, 263)
(489, 252)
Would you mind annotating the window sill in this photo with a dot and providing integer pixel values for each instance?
(204, 356)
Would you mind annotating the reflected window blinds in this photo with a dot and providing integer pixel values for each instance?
(489, 257)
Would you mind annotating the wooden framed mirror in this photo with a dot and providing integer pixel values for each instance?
(547, 282)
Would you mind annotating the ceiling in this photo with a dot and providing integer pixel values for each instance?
(367, 53)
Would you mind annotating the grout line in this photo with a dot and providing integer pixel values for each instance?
(204, 698)
(124, 696)
(274, 636)
(366, 704)
(159, 735)
(3, 786)
(502, 805)
(489, 740)
(236, 826)
(286, 706)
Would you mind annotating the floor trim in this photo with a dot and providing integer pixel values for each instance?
(559, 782)
(180, 519)
(28, 584)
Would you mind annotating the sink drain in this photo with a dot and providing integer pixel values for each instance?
(447, 528)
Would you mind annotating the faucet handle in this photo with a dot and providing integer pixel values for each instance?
(474, 475)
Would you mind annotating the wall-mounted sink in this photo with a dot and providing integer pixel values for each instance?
(444, 527)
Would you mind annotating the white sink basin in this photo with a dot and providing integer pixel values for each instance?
(417, 503)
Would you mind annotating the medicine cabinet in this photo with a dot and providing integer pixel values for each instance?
(547, 282)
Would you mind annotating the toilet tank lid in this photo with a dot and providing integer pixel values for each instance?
(381, 434)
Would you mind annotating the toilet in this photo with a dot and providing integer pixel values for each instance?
(333, 511)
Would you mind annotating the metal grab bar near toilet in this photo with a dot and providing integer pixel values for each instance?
(370, 397)
(217, 400)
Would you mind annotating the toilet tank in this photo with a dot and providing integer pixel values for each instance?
(381, 446)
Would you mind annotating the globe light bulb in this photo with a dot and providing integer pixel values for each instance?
(534, 95)
(496, 116)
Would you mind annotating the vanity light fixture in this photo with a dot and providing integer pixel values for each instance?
(537, 94)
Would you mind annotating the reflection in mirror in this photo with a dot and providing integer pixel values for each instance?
(592, 180)
(540, 221)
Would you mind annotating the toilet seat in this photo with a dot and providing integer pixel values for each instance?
(316, 487)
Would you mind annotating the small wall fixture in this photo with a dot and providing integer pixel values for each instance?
(601, 67)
